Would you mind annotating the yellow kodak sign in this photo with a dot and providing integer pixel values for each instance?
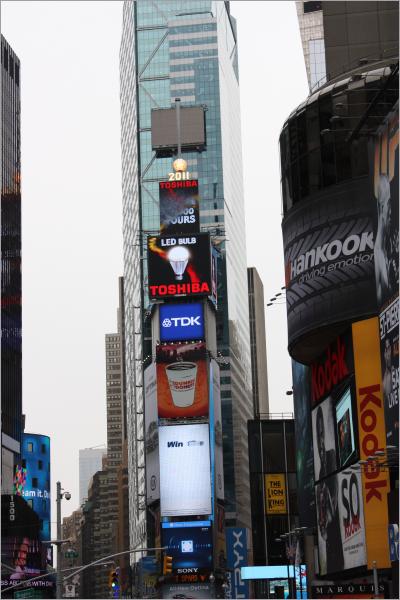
(275, 493)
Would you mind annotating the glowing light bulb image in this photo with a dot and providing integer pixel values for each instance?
(178, 258)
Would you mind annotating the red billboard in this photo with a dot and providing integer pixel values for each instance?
(182, 381)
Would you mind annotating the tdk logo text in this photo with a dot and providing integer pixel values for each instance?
(181, 322)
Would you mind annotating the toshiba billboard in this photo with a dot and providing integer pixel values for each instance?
(372, 437)
(329, 263)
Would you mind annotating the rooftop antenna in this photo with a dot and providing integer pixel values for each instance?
(180, 165)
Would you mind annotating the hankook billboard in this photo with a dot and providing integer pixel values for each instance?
(329, 263)
(182, 380)
(179, 206)
(185, 478)
(179, 265)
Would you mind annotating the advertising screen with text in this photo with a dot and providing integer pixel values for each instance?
(185, 478)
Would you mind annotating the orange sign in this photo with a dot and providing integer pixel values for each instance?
(372, 437)
(275, 494)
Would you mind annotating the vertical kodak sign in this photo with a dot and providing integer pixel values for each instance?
(372, 437)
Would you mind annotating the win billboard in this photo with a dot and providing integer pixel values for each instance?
(185, 478)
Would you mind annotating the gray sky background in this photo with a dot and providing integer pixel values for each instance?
(71, 202)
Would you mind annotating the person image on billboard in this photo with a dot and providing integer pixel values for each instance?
(329, 531)
(325, 459)
(345, 434)
(386, 245)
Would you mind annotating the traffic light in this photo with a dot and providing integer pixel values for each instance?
(167, 565)
(113, 579)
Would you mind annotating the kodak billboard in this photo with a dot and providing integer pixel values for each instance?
(372, 437)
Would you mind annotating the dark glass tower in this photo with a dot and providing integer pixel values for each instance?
(11, 330)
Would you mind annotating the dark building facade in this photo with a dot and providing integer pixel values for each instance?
(274, 501)
(339, 156)
(11, 323)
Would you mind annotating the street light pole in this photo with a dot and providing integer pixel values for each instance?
(59, 576)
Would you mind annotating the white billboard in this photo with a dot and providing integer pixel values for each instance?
(351, 515)
(185, 479)
(151, 434)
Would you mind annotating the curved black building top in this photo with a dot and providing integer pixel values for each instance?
(324, 140)
(329, 206)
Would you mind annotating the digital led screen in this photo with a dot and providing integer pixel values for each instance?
(182, 382)
(325, 461)
(36, 489)
(179, 266)
(190, 546)
(179, 206)
(164, 134)
(344, 426)
(180, 322)
(185, 482)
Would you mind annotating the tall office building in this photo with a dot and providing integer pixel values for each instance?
(115, 389)
(338, 36)
(258, 342)
(311, 25)
(90, 461)
(11, 290)
(185, 50)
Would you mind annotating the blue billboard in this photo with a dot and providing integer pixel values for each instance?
(190, 545)
(181, 322)
(236, 558)
(35, 488)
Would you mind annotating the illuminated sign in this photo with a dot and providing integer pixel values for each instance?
(236, 554)
(151, 434)
(185, 480)
(275, 493)
(189, 545)
(179, 266)
(331, 368)
(182, 381)
(179, 206)
(372, 437)
(344, 426)
(179, 322)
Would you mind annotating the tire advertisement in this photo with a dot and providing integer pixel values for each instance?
(329, 260)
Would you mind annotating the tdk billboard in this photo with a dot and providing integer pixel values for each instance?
(181, 322)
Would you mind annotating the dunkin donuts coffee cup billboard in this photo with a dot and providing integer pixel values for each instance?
(182, 383)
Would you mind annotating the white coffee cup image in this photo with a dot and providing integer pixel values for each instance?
(182, 382)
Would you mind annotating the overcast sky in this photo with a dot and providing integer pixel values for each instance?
(71, 202)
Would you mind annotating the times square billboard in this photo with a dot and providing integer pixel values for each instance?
(179, 207)
(179, 265)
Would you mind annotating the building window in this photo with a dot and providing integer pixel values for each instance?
(40, 465)
(23, 463)
(309, 7)
(30, 503)
(30, 446)
(317, 62)
(34, 482)
(43, 448)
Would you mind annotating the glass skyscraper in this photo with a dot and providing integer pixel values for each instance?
(186, 50)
